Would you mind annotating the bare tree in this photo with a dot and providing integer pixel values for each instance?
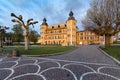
(29, 22)
(103, 18)
(17, 33)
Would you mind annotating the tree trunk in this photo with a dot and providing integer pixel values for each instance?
(1, 40)
(26, 40)
(107, 41)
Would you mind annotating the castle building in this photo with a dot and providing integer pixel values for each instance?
(66, 34)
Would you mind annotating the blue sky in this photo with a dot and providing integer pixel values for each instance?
(55, 11)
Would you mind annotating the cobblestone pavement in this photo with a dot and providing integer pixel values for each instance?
(89, 53)
(54, 69)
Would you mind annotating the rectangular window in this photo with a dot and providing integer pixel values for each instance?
(84, 38)
(81, 33)
(68, 35)
(81, 38)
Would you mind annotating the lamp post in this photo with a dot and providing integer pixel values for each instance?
(2, 28)
(10, 41)
(103, 42)
(29, 22)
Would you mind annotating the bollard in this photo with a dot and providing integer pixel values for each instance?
(15, 53)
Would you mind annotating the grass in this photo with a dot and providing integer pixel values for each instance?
(113, 51)
(117, 42)
(42, 50)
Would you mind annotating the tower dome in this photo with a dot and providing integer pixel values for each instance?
(71, 17)
(44, 22)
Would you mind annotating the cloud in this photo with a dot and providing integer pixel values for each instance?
(76, 4)
(56, 11)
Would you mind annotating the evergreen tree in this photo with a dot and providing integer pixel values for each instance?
(17, 33)
(33, 36)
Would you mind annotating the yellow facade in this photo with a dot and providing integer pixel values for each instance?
(86, 37)
(65, 34)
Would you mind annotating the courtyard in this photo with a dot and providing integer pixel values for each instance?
(83, 63)
(60, 40)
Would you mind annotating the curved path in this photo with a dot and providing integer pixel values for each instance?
(89, 53)
(63, 67)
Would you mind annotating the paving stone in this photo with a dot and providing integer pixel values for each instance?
(4, 73)
(111, 71)
(94, 66)
(41, 60)
(97, 76)
(0, 59)
(53, 69)
(7, 64)
(86, 53)
(63, 63)
(25, 61)
(48, 64)
(28, 68)
(78, 70)
(28, 77)
(10, 59)
(58, 74)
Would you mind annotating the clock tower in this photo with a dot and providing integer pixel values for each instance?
(71, 30)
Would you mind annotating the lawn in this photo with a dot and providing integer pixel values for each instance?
(113, 51)
(117, 42)
(42, 50)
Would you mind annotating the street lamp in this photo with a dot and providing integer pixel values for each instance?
(103, 42)
(19, 20)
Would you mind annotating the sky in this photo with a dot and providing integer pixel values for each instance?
(55, 11)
